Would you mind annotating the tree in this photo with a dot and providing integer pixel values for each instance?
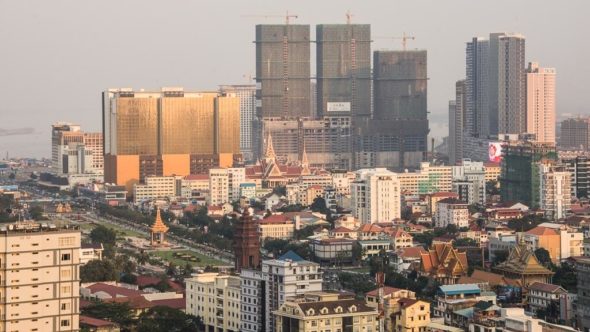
(543, 256)
(465, 242)
(120, 313)
(319, 205)
(104, 235)
(500, 256)
(565, 276)
(98, 270)
(357, 252)
(36, 213)
(161, 318)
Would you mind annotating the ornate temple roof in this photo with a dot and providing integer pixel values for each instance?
(521, 260)
(159, 226)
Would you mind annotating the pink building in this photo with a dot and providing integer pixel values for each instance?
(540, 107)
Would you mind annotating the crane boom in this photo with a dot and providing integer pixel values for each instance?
(287, 17)
(404, 38)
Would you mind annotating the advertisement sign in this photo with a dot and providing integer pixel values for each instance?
(495, 152)
(339, 107)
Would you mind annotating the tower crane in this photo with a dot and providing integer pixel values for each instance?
(287, 17)
(404, 38)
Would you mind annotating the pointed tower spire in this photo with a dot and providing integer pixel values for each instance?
(269, 153)
(304, 162)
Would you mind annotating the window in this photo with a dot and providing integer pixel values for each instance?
(65, 322)
(65, 306)
(66, 273)
(66, 257)
(66, 289)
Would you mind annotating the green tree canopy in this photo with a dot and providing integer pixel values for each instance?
(104, 235)
(161, 318)
(98, 270)
(120, 313)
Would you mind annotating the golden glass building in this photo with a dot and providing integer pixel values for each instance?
(167, 132)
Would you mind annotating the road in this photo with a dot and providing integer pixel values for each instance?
(173, 239)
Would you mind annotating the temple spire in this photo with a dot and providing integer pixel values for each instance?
(269, 153)
(304, 162)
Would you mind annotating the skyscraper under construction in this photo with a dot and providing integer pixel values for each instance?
(343, 69)
(283, 70)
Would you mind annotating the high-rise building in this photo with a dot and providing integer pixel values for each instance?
(540, 102)
(285, 277)
(555, 190)
(582, 265)
(575, 133)
(218, 186)
(40, 277)
(253, 300)
(283, 70)
(469, 182)
(507, 84)
(457, 123)
(520, 179)
(247, 95)
(396, 137)
(376, 196)
(477, 87)
(327, 141)
(578, 165)
(65, 139)
(246, 242)
(343, 69)
(216, 299)
(496, 85)
(167, 132)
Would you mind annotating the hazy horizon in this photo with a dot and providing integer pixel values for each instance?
(58, 56)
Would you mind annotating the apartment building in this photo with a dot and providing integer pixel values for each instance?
(326, 312)
(376, 196)
(285, 277)
(554, 190)
(276, 226)
(428, 179)
(156, 187)
(218, 186)
(253, 288)
(451, 211)
(216, 298)
(39, 269)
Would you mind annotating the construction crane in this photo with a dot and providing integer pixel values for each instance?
(287, 17)
(404, 38)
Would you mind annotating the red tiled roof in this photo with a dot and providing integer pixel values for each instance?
(370, 228)
(144, 281)
(548, 288)
(542, 231)
(113, 291)
(95, 322)
(275, 219)
(135, 302)
(405, 302)
(179, 303)
(386, 291)
(444, 194)
(342, 229)
(414, 252)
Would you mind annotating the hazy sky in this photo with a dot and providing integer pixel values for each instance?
(57, 56)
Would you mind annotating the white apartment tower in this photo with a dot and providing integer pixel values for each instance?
(540, 102)
(218, 186)
(376, 195)
(285, 277)
(469, 182)
(40, 279)
(236, 176)
(253, 290)
(247, 95)
(555, 190)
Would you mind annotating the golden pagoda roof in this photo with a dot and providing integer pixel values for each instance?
(159, 226)
(521, 260)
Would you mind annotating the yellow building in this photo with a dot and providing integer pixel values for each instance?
(410, 315)
(216, 299)
(40, 280)
(325, 312)
(276, 226)
(492, 172)
(391, 296)
(167, 132)
(428, 179)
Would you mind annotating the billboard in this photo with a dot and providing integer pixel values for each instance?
(495, 152)
(339, 107)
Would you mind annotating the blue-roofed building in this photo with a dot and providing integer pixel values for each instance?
(291, 256)
(453, 298)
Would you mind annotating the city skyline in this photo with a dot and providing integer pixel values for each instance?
(67, 71)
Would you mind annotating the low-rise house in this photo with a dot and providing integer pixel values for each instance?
(410, 315)
(92, 324)
(90, 251)
(371, 248)
(332, 250)
(408, 259)
(401, 239)
(276, 226)
(451, 211)
(541, 296)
